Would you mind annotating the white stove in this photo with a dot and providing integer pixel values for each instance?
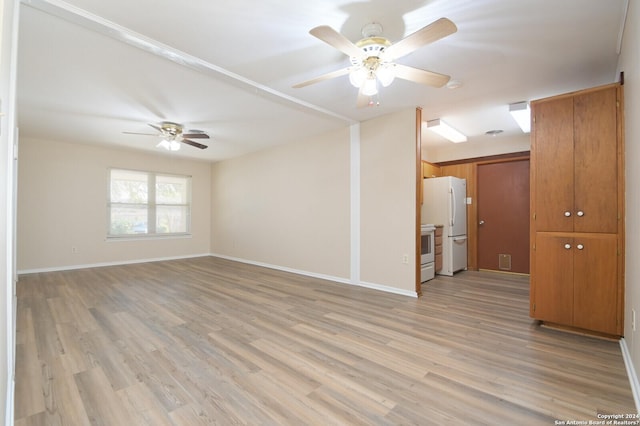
(427, 254)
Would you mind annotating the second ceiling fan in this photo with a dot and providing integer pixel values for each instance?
(372, 58)
(173, 134)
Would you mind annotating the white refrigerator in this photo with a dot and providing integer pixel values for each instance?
(445, 203)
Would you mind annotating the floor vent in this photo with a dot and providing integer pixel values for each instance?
(504, 262)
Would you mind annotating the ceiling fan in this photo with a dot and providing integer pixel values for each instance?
(372, 58)
(172, 134)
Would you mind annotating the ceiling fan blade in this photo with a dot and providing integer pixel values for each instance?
(136, 133)
(432, 32)
(323, 77)
(429, 78)
(192, 143)
(337, 40)
(199, 135)
(156, 127)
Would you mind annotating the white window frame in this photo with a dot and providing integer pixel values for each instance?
(151, 205)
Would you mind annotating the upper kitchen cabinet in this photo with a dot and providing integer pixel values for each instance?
(576, 161)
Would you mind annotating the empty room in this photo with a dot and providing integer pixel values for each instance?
(281, 212)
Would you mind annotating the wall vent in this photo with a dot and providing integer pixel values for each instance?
(504, 262)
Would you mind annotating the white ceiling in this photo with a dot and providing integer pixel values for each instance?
(89, 70)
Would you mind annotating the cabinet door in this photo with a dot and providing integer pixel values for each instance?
(595, 157)
(595, 284)
(552, 141)
(552, 279)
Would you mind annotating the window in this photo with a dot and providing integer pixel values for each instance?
(148, 204)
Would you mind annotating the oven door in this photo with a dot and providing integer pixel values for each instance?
(427, 242)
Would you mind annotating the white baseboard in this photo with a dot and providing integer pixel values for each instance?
(341, 280)
(386, 289)
(631, 372)
(101, 264)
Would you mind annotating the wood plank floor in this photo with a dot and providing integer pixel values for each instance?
(210, 341)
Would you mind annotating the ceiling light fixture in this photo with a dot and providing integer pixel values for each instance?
(367, 77)
(366, 73)
(443, 129)
(169, 145)
(522, 114)
(370, 86)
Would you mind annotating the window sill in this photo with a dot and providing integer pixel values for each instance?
(146, 237)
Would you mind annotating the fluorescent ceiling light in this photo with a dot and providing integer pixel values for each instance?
(522, 114)
(443, 129)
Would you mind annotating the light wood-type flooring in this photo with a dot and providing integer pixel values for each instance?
(211, 341)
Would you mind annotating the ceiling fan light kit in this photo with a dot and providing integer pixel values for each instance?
(372, 58)
(370, 86)
(169, 145)
(446, 131)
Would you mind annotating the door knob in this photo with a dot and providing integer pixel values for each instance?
(567, 214)
(567, 246)
(482, 222)
(579, 246)
(580, 213)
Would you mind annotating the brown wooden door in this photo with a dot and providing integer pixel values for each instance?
(552, 151)
(503, 213)
(595, 283)
(595, 157)
(552, 280)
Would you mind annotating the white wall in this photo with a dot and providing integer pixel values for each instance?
(289, 207)
(62, 196)
(490, 146)
(630, 64)
(286, 207)
(388, 200)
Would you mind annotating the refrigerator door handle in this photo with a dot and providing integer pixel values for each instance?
(452, 199)
(459, 238)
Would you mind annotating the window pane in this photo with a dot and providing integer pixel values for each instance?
(128, 220)
(171, 219)
(129, 187)
(146, 203)
(172, 189)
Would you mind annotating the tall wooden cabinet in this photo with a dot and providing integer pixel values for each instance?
(577, 210)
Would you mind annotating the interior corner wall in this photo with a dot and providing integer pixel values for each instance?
(286, 207)
(629, 63)
(388, 201)
(62, 203)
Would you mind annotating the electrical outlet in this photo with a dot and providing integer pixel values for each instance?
(633, 320)
(405, 259)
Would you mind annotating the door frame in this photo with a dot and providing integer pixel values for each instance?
(473, 212)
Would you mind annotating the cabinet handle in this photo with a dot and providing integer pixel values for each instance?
(580, 213)
(567, 214)
(567, 246)
(579, 246)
